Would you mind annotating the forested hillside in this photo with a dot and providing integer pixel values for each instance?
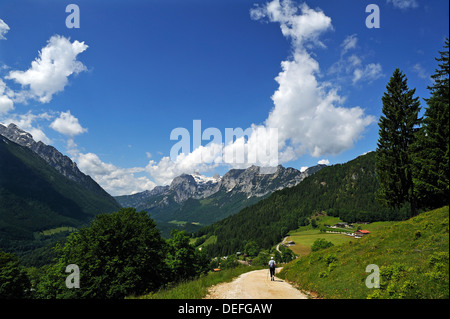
(344, 190)
(35, 197)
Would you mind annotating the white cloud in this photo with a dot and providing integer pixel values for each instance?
(47, 76)
(4, 28)
(115, 180)
(324, 162)
(349, 43)
(369, 73)
(305, 110)
(353, 61)
(420, 71)
(202, 159)
(351, 68)
(6, 104)
(27, 122)
(257, 145)
(49, 72)
(404, 4)
(301, 28)
(67, 124)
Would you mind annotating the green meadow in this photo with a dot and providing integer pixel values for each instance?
(412, 257)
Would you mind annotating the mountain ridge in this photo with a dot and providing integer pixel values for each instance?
(36, 197)
(203, 200)
(344, 190)
(52, 156)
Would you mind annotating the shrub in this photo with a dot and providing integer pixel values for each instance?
(330, 259)
(320, 243)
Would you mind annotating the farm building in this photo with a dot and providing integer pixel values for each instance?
(360, 233)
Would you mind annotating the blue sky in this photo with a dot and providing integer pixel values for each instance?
(109, 93)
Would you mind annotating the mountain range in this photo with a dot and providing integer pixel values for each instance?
(344, 190)
(42, 190)
(192, 201)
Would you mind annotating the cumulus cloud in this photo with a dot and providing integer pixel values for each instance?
(115, 180)
(48, 75)
(67, 124)
(6, 103)
(49, 72)
(324, 162)
(307, 112)
(256, 145)
(202, 159)
(404, 4)
(301, 24)
(4, 28)
(307, 116)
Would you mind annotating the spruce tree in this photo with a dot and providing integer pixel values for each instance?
(431, 150)
(398, 126)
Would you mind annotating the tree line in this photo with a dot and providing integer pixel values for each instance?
(118, 255)
(413, 151)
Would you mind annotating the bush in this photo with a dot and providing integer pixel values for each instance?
(394, 285)
(229, 262)
(14, 283)
(320, 243)
(329, 259)
(262, 259)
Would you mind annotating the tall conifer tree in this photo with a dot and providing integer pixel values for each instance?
(398, 126)
(431, 150)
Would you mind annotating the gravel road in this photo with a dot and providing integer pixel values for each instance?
(255, 285)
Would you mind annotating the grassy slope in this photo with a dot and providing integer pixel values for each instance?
(412, 256)
(304, 240)
(305, 236)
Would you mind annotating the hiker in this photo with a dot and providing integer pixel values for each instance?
(272, 265)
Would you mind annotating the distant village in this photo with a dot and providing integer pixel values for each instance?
(343, 228)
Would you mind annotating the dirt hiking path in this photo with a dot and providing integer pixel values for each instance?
(255, 285)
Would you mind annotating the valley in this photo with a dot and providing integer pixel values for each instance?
(193, 201)
(175, 149)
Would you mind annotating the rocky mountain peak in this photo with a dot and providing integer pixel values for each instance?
(17, 135)
(51, 155)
